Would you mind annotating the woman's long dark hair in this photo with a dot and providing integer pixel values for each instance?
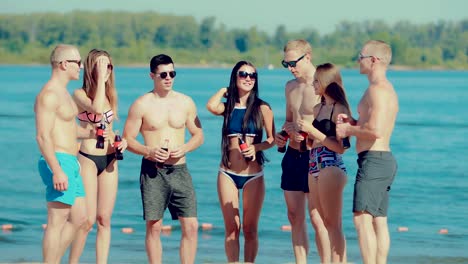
(253, 114)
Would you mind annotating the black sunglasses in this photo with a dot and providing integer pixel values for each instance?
(78, 62)
(291, 63)
(163, 75)
(110, 67)
(244, 74)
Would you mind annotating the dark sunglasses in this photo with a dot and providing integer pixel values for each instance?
(361, 57)
(163, 75)
(244, 74)
(110, 66)
(78, 62)
(291, 63)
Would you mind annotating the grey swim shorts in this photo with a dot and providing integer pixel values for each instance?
(168, 187)
(375, 175)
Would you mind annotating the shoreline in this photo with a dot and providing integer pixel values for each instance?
(269, 67)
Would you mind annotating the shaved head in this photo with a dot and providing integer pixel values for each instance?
(379, 49)
(63, 52)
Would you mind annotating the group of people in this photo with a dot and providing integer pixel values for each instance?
(81, 182)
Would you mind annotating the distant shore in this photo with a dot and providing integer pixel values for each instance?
(271, 66)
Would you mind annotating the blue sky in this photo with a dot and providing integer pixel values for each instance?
(266, 15)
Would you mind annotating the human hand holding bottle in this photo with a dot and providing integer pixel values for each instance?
(119, 145)
(281, 139)
(162, 153)
(247, 150)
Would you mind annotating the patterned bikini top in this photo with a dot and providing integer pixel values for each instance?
(86, 116)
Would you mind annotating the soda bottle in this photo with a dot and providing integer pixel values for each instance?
(165, 146)
(303, 145)
(100, 135)
(243, 145)
(117, 142)
(346, 143)
(284, 134)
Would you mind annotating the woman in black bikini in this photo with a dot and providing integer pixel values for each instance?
(97, 102)
(246, 116)
(327, 173)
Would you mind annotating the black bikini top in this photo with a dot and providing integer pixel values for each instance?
(326, 126)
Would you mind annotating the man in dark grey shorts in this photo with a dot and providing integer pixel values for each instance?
(378, 109)
(162, 116)
(169, 186)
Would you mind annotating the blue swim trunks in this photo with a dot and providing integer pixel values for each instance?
(71, 168)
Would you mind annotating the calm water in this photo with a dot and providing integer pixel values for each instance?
(429, 193)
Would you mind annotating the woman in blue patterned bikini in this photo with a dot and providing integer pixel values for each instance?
(97, 101)
(327, 173)
(246, 116)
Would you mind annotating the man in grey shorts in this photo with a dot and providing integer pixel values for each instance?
(162, 116)
(377, 167)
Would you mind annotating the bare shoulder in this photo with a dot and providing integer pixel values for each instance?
(183, 98)
(339, 109)
(381, 86)
(291, 84)
(265, 107)
(47, 97)
(141, 103)
(79, 92)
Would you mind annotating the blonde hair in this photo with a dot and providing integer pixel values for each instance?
(328, 75)
(379, 49)
(90, 79)
(301, 45)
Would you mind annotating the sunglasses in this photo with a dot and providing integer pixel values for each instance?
(360, 56)
(163, 75)
(291, 64)
(244, 75)
(110, 67)
(78, 62)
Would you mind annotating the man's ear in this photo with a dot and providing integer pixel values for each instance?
(151, 75)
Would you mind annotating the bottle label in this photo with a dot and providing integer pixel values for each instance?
(117, 144)
(243, 146)
(100, 132)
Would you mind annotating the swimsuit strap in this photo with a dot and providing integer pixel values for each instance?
(331, 115)
(320, 109)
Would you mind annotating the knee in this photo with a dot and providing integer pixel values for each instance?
(295, 217)
(86, 223)
(316, 219)
(332, 223)
(191, 229)
(250, 232)
(153, 228)
(103, 221)
(233, 230)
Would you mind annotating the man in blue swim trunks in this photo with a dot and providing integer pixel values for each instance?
(377, 167)
(57, 134)
(300, 102)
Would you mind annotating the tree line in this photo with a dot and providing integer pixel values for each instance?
(133, 38)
